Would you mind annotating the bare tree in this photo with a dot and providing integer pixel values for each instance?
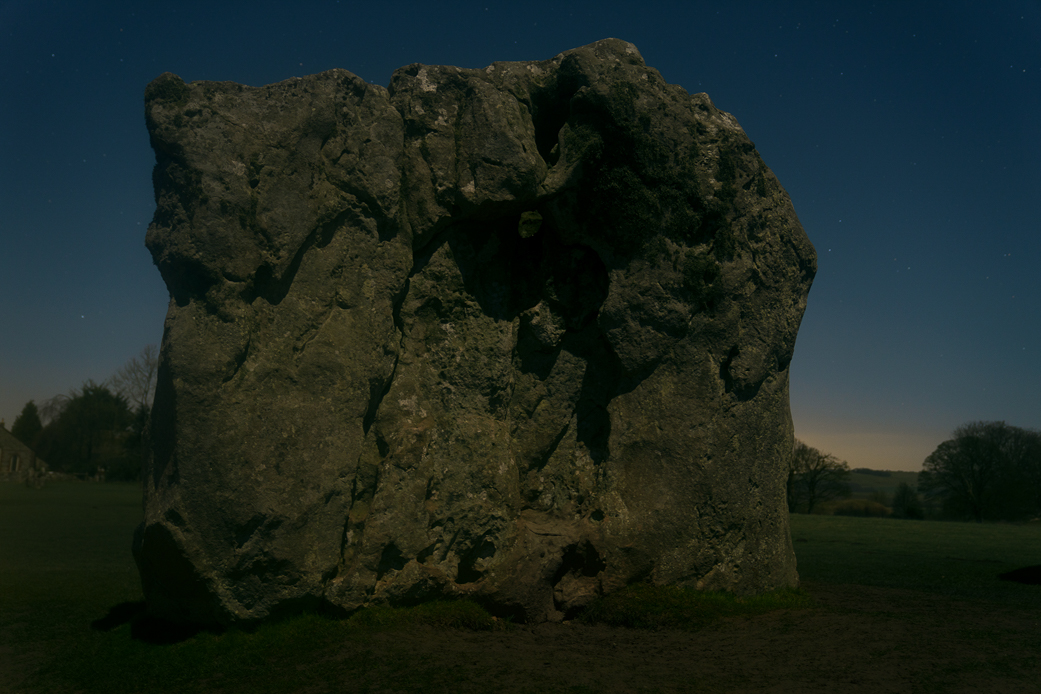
(135, 380)
(52, 408)
(815, 477)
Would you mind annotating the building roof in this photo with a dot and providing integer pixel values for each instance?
(8, 442)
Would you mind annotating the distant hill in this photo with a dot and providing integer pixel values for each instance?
(864, 482)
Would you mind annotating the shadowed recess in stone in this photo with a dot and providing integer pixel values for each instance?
(519, 334)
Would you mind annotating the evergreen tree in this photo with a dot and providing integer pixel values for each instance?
(27, 425)
(89, 432)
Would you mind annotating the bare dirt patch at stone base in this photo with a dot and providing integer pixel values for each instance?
(857, 639)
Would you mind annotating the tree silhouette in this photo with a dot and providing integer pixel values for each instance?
(135, 380)
(986, 470)
(89, 432)
(27, 425)
(815, 477)
(906, 503)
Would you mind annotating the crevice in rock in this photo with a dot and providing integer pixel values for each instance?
(363, 489)
(575, 583)
(274, 288)
(594, 427)
(426, 553)
(544, 460)
(422, 254)
(499, 268)
(741, 392)
(246, 530)
(550, 107)
(508, 273)
(749, 391)
(367, 207)
(390, 560)
(483, 548)
(192, 280)
(724, 369)
(174, 518)
(278, 569)
(530, 357)
(447, 546)
(237, 362)
(377, 391)
(580, 559)
(599, 385)
(549, 112)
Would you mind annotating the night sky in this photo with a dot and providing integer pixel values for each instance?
(907, 134)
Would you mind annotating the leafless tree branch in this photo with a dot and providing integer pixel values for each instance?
(135, 380)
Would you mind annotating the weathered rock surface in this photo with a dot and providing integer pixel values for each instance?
(520, 334)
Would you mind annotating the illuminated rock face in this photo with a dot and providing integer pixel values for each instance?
(520, 334)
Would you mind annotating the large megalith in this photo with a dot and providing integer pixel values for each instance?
(520, 334)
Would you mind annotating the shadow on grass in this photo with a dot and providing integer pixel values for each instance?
(152, 630)
(644, 606)
(119, 615)
(1030, 575)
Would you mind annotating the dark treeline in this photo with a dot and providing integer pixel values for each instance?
(97, 430)
(92, 434)
(986, 471)
(873, 473)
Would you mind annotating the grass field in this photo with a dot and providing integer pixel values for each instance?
(960, 560)
(887, 590)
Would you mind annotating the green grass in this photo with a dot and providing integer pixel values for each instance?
(946, 558)
(65, 563)
(442, 614)
(65, 549)
(289, 655)
(669, 607)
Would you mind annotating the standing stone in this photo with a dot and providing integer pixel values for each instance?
(518, 334)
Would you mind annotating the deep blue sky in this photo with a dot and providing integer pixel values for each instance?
(907, 134)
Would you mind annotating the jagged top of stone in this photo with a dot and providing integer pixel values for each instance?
(475, 142)
(606, 51)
